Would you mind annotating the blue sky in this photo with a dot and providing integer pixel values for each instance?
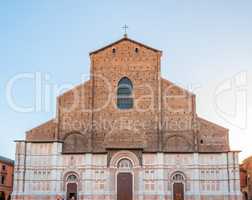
(204, 43)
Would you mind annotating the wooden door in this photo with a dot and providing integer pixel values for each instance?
(71, 191)
(178, 191)
(124, 186)
(2, 196)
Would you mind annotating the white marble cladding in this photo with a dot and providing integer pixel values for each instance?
(43, 170)
(208, 174)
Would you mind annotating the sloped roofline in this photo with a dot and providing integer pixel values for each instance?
(6, 160)
(187, 91)
(247, 160)
(124, 39)
(213, 124)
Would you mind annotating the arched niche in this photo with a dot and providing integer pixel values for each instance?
(75, 142)
(177, 143)
(127, 155)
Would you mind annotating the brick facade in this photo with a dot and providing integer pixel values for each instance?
(246, 178)
(161, 136)
(164, 114)
(6, 178)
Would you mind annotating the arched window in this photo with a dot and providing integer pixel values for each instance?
(178, 178)
(125, 164)
(72, 178)
(124, 94)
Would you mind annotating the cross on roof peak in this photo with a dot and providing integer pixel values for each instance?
(125, 27)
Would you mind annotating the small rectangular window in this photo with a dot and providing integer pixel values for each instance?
(2, 180)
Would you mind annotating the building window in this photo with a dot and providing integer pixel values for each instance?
(3, 167)
(178, 178)
(124, 94)
(2, 180)
(149, 183)
(202, 185)
(72, 178)
(99, 180)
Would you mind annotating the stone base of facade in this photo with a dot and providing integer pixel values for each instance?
(142, 197)
(153, 176)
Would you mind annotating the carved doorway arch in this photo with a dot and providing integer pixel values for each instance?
(124, 180)
(178, 186)
(72, 187)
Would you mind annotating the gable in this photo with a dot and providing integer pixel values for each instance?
(125, 39)
(124, 56)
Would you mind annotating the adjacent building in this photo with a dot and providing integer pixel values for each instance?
(127, 134)
(246, 178)
(6, 178)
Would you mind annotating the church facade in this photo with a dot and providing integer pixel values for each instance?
(126, 134)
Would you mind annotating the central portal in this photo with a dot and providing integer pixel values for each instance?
(124, 186)
(71, 191)
(178, 191)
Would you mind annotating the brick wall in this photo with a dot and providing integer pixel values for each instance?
(163, 117)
